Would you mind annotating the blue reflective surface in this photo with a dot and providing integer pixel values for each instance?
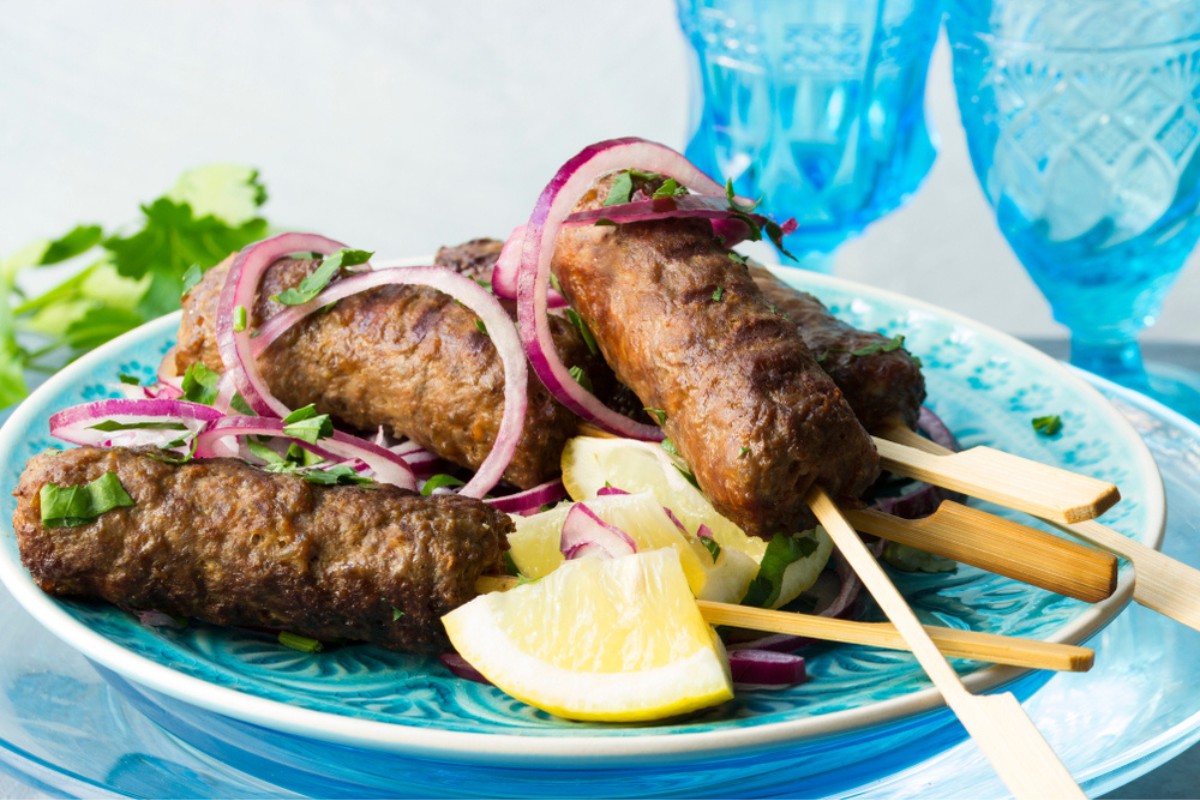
(815, 105)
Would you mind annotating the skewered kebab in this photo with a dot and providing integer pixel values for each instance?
(408, 358)
(225, 542)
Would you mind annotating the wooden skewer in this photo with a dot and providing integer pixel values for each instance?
(990, 647)
(1039, 489)
(1163, 584)
(997, 722)
(1002, 546)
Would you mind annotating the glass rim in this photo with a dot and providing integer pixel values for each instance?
(991, 39)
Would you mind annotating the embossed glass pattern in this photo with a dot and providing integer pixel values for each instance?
(815, 105)
(1083, 120)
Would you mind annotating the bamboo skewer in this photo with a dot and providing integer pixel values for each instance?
(990, 647)
(1001, 546)
(1039, 489)
(1162, 584)
(997, 723)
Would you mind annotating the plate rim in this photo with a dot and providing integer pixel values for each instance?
(581, 747)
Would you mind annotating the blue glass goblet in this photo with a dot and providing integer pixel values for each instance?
(1083, 122)
(817, 106)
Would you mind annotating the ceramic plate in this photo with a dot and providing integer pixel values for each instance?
(985, 385)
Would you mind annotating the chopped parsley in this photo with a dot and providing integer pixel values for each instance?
(130, 380)
(580, 376)
(297, 642)
(240, 319)
(397, 613)
(200, 384)
(670, 447)
(774, 231)
(736, 257)
(319, 278)
(782, 551)
(1050, 425)
(190, 278)
(659, 414)
(307, 425)
(718, 294)
(670, 188)
(584, 331)
(891, 345)
(68, 506)
(340, 474)
(742, 451)
(621, 189)
(710, 544)
(480, 326)
(439, 481)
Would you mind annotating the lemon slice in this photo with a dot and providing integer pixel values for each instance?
(615, 640)
(590, 463)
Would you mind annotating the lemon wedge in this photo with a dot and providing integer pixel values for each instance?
(614, 640)
(591, 463)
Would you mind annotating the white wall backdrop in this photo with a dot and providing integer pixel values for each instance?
(399, 126)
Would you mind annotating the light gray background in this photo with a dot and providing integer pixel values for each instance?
(402, 126)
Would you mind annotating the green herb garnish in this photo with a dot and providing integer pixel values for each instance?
(307, 425)
(581, 377)
(319, 278)
(584, 331)
(109, 426)
(190, 278)
(670, 188)
(718, 294)
(737, 258)
(341, 475)
(480, 326)
(711, 546)
(200, 384)
(1049, 425)
(130, 380)
(781, 552)
(297, 642)
(659, 414)
(397, 614)
(670, 447)
(439, 481)
(742, 451)
(621, 189)
(891, 345)
(68, 506)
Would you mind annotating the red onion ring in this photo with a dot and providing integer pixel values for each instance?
(508, 267)
(240, 291)
(766, 667)
(584, 533)
(530, 500)
(387, 466)
(556, 203)
(461, 668)
(499, 327)
(727, 224)
(74, 424)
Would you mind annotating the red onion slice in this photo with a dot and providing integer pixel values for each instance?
(728, 225)
(386, 465)
(584, 533)
(240, 291)
(461, 668)
(499, 328)
(76, 424)
(531, 500)
(766, 667)
(556, 203)
(508, 267)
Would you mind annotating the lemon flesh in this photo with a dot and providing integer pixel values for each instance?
(614, 640)
(591, 463)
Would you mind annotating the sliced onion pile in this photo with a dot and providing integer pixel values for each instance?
(79, 424)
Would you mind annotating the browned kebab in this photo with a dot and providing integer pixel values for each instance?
(225, 542)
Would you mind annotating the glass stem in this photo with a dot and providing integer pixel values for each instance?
(1119, 361)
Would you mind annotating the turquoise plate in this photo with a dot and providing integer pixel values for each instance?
(859, 703)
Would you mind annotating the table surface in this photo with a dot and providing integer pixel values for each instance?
(1179, 778)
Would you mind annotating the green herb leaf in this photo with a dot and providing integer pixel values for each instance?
(239, 404)
(669, 188)
(712, 547)
(191, 277)
(659, 414)
(200, 384)
(239, 319)
(439, 481)
(891, 345)
(718, 294)
(396, 614)
(581, 377)
(81, 239)
(482, 328)
(68, 506)
(297, 642)
(742, 451)
(736, 257)
(621, 189)
(337, 475)
(670, 447)
(129, 380)
(319, 278)
(584, 331)
(782, 551)
(1050, 425)
(112, 425)
(307, 425)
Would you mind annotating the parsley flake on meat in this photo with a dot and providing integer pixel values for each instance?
(68, 506)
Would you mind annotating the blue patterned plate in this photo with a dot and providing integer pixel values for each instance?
(858, 704)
